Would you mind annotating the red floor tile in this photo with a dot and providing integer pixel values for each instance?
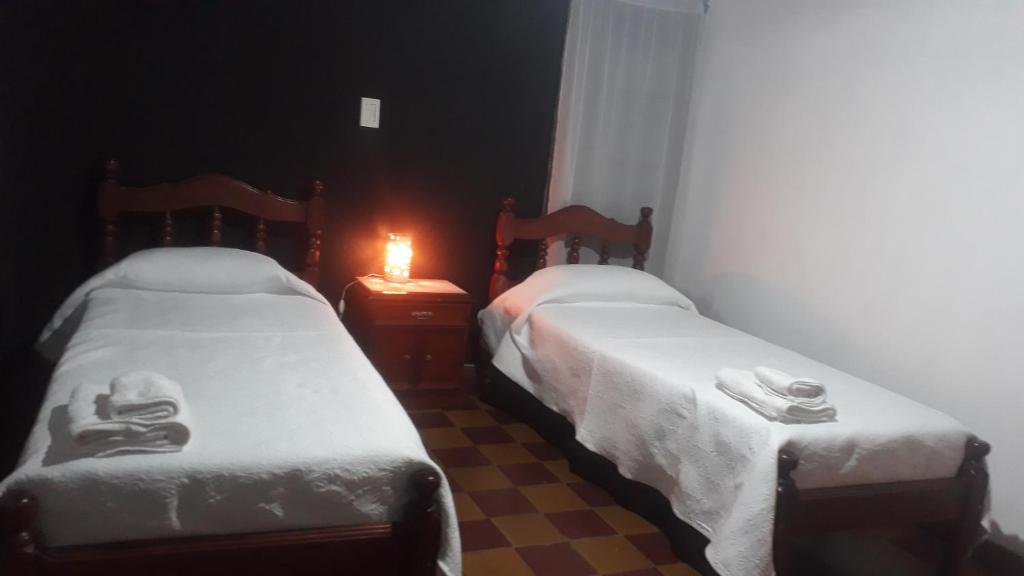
(488, 435)
(555, 560)
(502, 502)
(654, 546)
(591, 494)
(481, 535)
(543, 450)
(424, 420)
(501, 418)
(460, 457)
(580, 524)
(528, 473)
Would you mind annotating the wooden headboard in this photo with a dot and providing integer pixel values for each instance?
(576, 222)
(214, 191)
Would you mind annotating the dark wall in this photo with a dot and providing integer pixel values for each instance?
(269, 92)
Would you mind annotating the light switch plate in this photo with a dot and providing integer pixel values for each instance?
(369, 113)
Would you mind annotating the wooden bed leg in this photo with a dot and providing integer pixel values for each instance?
(787, 498)
(18, 550)
(963, 536)
(422, 525)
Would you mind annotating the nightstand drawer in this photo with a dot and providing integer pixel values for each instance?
(421, 313)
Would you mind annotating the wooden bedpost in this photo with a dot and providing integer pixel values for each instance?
(18, 547)
(643, 242)
(787, 499)
(216, 226)
(542, 253)
(504, 236)
(422, 525)
(109, 187)
(574, 250)
(315, 225)
(167, 231)
(963, 536)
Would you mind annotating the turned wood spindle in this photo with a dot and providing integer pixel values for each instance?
(216, 226)
(542, 253)
(261, 236)
(574, 250)
(109, 242)
(643, 243)
(606, 253)
(504, 235)
(167, 236)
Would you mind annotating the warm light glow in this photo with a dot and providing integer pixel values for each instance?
(398, 258)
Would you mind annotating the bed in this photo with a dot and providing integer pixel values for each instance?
(301, 459)
(617, 369)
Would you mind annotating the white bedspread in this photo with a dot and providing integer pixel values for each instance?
(292, 426)
(638, 383)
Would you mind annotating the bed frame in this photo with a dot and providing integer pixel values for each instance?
(213, 191)
(408, 546)
(951, 508)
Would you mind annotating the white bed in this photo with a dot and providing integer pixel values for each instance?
(630, 362)
(292, 426)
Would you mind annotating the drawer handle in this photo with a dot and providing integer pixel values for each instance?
(429, 358)
(422, 314)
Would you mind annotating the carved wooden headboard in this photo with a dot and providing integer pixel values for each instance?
(213, 191)
(576, 222)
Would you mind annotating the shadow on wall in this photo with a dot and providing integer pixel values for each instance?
(759, 304)
(1012, 542)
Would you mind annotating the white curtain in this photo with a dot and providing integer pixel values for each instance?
(626, 84)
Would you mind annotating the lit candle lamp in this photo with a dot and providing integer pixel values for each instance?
(397, 257)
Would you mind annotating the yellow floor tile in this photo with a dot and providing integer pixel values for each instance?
(506, 453)
(523, 433)
(479, 478)
(624, 521)
(528, 529)
(466, 418)
(465, 508)
(611, 554)
(678, 570)
(560, 468)
(498, 562)
(553, 497)
(435, 438)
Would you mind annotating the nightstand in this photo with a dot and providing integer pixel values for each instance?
(415, 333)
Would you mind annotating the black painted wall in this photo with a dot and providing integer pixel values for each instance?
(268, 91)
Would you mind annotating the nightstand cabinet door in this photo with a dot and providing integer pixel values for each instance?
(414, 340)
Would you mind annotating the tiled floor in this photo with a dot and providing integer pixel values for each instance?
(521, 511)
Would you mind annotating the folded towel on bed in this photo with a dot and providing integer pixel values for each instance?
(743, 386)
(785, 385)
(94, 433)
(144, 396)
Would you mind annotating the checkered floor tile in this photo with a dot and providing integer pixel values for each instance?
(521, 511)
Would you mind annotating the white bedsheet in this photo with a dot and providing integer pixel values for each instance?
(292, 426)
(638, 383)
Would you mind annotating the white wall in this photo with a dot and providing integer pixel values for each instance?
(854, 190)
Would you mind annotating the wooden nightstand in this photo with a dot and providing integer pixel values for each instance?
(414, 333)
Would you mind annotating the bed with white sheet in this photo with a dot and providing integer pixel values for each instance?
(631, 364)
(295, 436)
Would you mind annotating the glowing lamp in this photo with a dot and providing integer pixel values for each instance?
(397, 258)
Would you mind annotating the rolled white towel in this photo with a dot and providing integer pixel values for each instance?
(743, 386)
(93, 433)
(144, 397)
(784, 384)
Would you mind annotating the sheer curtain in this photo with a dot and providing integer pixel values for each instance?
(626, 83)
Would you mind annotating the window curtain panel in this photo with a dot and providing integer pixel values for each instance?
(626, 81)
